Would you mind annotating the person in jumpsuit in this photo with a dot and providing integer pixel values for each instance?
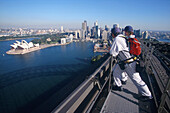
(120, 50)
(123, 75)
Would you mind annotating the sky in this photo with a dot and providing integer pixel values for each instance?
(141, 14)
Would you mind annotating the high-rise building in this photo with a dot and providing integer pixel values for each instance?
(95, 23)
(62, 30)
(96, 31)
(104, 35)
(75, 36)
(82, 34)
(78, 33)
(145, 35)
(137, 33)
(84, 27)
(88, 30)
(92, 31)
(108, 35)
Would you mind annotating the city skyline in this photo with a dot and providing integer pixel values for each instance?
(144, 15)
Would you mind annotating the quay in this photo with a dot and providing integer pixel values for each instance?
(101, 50)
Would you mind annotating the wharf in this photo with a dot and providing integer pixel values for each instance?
(101, 50)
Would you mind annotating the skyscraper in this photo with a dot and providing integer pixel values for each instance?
(82, 34)
(84, 26)
(62, 30)
(78, 33)
(98, 33)
(137, 33)
(95, 23)
(96, 30)
(75, 34)
(92, 31)
(145, 35)
(104, 35)
(88, 30)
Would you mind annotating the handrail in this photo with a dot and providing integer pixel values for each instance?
(151, 62)
(76, 98)
(73, 101)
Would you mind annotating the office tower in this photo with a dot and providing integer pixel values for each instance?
(95, 23)
(96, 31)
(62, 30)
(92, 32)
(82, 34)
(104, 35)
(84, 27)
(78, 33)
(145, 35)
(88, 30)
(137, 33)
(75, 36)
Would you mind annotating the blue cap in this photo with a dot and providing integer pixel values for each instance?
(128, 29)
(115, 30)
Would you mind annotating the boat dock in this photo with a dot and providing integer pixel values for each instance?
(102, 50)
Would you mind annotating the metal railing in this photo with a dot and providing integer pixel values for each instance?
(157, 67)
(92, 84)
(101, 79)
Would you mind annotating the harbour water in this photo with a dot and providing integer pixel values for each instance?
(164, 40)
(33, 78)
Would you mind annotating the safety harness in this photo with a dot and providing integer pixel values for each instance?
(122, 63)
(127, 61)
(130, 60)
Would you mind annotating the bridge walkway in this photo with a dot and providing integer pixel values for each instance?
(126, 101)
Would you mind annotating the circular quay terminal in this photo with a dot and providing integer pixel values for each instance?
(84, 56)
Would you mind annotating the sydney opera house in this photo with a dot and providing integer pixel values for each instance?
(23, 45)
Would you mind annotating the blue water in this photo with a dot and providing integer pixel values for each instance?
(164, 40)
(68, 54)
(24, 78)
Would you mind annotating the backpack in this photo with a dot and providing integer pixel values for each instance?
(135, 48)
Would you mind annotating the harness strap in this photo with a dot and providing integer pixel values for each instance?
(130, 60)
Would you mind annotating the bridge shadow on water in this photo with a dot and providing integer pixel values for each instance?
(85, 60)
(35, 85)
(50, 91)
(39, 71)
